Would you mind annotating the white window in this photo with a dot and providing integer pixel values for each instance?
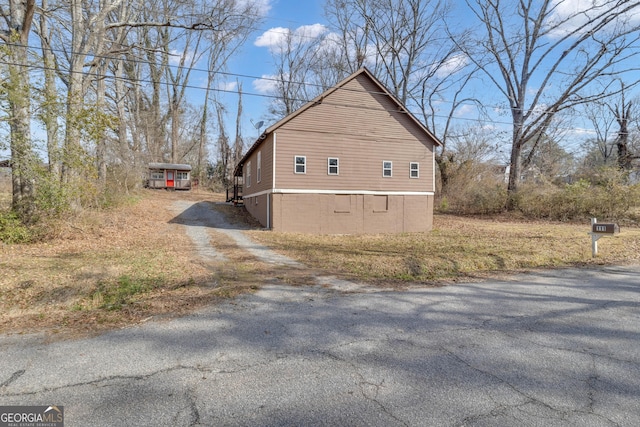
(157, 175)
(333, 166)
(248, 174)
(259, 166)
(387, 168)
(182, 175)
(414, 170)
(300, 164)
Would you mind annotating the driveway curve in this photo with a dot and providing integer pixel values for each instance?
(198, 218)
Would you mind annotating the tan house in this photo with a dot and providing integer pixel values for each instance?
(353, 160)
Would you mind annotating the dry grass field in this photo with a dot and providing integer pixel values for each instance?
(114, 268)
(457, 248)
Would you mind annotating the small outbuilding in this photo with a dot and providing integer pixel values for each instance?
(172, 176)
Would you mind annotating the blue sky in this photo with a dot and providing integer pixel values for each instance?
(256, 61)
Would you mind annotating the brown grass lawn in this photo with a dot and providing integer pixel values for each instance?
(108, 269)
(457, 248)
(113, 268)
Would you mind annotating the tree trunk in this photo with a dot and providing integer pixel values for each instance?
(75, 101)
(101, 137)
(623, 116)
(22, 157)
(50, 106)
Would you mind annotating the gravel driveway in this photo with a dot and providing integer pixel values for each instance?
(551, 348)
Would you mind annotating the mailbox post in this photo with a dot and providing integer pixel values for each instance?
(599, 230)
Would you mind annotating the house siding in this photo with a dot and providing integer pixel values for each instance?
(360, 163)
(255, 195)
(362, 127)
(257, 206)
(316, 213)
(266, 181)
(362, 136)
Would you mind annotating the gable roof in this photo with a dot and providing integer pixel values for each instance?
(318, 99)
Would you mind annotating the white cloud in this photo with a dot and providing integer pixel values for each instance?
(262, 7)
(310, 31)
(578, 131)
(175, 56)
(452, 65)
(466, 110)
(228, 86)
(272, 37)
(275, 38)
(266, 84)
(569, 15)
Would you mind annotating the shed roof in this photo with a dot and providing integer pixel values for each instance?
(319, 99)
(176, 166)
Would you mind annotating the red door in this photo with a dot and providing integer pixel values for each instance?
(170, 179)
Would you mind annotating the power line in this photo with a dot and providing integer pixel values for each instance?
(230, 74)
(276, 97)
(262, 95)
(304, 101)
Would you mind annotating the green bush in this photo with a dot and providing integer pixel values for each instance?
(12, 230)
(52, 197)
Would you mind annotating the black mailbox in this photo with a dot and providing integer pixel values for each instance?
(602, 228)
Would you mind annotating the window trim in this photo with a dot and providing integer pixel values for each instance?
(390, 169)
(416, 170)
(295, 165)
(336, 166)
(248, 180)
(259, 167)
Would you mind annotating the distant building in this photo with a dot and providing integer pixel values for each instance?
(169, 176)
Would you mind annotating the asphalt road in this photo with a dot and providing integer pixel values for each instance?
(555, 348)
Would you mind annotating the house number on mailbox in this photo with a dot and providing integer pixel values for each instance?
(598, 230)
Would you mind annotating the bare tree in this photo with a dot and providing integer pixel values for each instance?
(599, 116)
(50, 106)
(544, 56)
(296, 58)
(469, 151)
(222, 45)
(406, 45)
(352, 39)
(238, 145)
(224, 151)
(18, 20)
(625, 113)
(402, 41)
